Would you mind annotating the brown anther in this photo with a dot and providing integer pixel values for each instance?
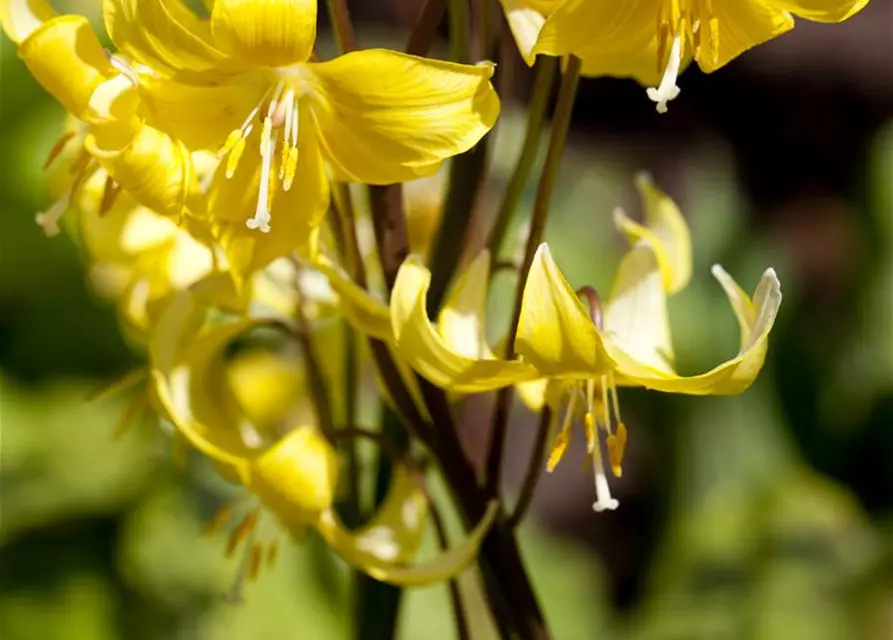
(57, 149)
(272, 553)
(109, 195)
(590, 295)
(257, 556)
(240, 532)
(217, 520)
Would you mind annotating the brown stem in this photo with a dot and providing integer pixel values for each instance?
(560, 126)
(534, 469)
(341, 25)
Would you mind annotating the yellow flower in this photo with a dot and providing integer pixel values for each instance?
(651, 40)
(244, 83)
(293, 478)
(593, 347)
(64, 55)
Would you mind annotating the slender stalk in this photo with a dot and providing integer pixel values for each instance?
(319, 387)
(424, 31)
(560, 126)
(534, 469)
(463, 632)
(341, 25)
(536, 114)
(460, 30)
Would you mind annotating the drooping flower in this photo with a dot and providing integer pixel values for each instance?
(64, 55)
(292, 478)
(652, 40)
(591, 346)
(526, 19)
(244, 83)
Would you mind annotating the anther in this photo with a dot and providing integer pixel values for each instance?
(240, 532)
(257, 556)
(217, 520)
(57, 149)
(616, 449)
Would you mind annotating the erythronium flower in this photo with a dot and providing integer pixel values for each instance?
(591, 348)
(243, 82)
(652, 39)
(292, 478)
(64, 55)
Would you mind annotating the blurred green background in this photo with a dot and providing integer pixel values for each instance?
(768, 515)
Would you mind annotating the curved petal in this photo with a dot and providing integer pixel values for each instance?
(164, 35)
(426, 352)
(65, 57)
(389, 117)
(155, 169)
(734, 376)
(666, 232)
(269, 33)
(526, 21)
(370, 548)
(741, 26)
(189, 384)
(822, 10)
(202, 115)
(607, 26)
(636, 318)
(21, 17)
(296, 478)
(364, 312)
(295, 215)
(555, 333)
(461, 321)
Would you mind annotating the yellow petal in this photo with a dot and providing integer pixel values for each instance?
(154, 168)
(526, 20)
(743, 25)
(375, 550)
(296, 478)
(265, 32)
(21, 17)
(202, 115)
(555, 332)
(822, 10)
(666, 232)
(755, 319)
(296, 214)
(363, 311)
(67, 59)
(163, 34)
(426, 351)
(640, 63)
(636, 318)
(188, 381)
(613, 26)
(389, 117)
(461, 321)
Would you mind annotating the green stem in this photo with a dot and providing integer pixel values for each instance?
(536, 114)
(534, 469)
(341, 25)
(463, 632)
(557, 139)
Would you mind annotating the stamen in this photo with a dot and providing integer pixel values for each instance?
(272, 553)
(616, 449)
(589, 418)
(234, 595)
(57, 149)
(261, 219)
(49, 219)
(257, 556)
(217, 520)
(563, 437)
(240, 532)
(109, 196)
(667, 90)
(604, 501)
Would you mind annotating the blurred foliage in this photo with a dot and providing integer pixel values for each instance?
(770, 515)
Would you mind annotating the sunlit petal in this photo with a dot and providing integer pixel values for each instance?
(743, 25)
(822, 10)
(67, 59)
(755, 319)
(389, 117)
(365, 312)
(426, 351)
(461, 321)
(526, 18)
(265, 32)
(21, 17)
(555, 333)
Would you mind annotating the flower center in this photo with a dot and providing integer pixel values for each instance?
(679, 26)
(602, 412)
(278, 114)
